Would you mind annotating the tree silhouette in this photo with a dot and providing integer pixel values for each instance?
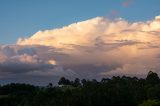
(115, 91)
(152, 78)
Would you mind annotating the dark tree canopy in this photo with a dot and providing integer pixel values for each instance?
(115, 91)
(152, 78)
(64, 81)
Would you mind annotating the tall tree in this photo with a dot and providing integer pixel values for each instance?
(152, 78)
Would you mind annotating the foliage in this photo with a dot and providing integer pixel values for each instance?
(150, 103)
(115, 91)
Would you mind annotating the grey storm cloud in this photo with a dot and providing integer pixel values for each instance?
(24, 60)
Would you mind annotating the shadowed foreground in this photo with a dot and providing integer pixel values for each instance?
(117, 91)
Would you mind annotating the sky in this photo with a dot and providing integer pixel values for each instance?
(22, 18)
(43, 40)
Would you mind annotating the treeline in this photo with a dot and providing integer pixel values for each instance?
(116, 91)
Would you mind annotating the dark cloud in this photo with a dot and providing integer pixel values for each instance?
(26, 60)
(91, 70)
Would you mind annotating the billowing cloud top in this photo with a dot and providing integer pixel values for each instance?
(86, 32)
(93, 48)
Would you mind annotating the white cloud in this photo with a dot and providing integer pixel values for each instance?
(98, 46)
(85, 33)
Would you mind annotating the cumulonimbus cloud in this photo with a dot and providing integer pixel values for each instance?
(104, 42)
(93, 48)
(87, 32)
